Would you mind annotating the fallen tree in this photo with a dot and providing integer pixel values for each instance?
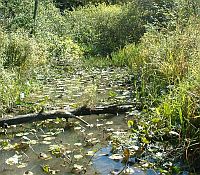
(28, 118)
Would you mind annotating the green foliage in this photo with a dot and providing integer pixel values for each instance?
(179, 106)
(60, 48)
(49, 28)
(168, 13)
(11, 88)
(19, 56)
(127, 56)
(170, 53)
(18, 14)
(99, 28)
(73, 4)
(22, 52)
(166, 80)
(49, 20)
(159, 13)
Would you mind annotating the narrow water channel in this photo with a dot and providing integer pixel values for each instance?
(74, 138)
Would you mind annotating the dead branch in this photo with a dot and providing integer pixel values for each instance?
(28, 118)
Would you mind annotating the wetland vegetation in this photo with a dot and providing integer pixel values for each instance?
(64, 55)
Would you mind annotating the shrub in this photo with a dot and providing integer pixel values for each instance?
(18, 14)
(103, 29)
(60, 48)
(49, 32)
(73, 4)
(49, 20)
(167, 13)
(22, 52)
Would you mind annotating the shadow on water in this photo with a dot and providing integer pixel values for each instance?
(105, 166)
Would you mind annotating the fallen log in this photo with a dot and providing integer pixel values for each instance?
(28, 118)
(111, 109)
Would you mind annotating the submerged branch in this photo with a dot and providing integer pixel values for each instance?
(28, 118)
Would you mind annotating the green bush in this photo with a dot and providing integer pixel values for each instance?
(60, 48)
(103, 29)
(49, 20)
(21, 52)
(18, 14)
(166, 14)
(73, 4)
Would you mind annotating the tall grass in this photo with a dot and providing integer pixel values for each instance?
(166, 67)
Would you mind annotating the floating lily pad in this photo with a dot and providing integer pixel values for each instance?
(13, 160)
(116, 157)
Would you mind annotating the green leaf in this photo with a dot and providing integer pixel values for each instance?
(144, 140)
(155, 120)
(112, 94)
(46, 168)
(130, 123)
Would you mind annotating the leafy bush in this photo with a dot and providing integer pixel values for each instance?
(103, 29)
(49, 20)
(166, 14)
(18, 14)
(60, 48)
(22, 52)
(73, 4)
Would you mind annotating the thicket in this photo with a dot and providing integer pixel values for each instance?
(73, 4)
(104, 29)
(166, 65)
(27, 47)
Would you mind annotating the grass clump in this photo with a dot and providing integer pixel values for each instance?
(165, 65)
(20, 57)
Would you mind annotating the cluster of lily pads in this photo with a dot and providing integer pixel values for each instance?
(45, 142)
(131, 148)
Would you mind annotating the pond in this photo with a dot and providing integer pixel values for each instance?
(36, 139)
(60, 147)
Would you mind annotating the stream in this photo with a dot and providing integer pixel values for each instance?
(66, 148)
(80, 139)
